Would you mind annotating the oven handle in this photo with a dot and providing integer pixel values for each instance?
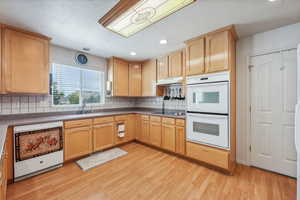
(212, 116)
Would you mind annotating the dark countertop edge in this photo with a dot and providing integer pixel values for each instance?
(34, 119)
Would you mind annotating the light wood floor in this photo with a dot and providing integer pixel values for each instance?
(145, 173)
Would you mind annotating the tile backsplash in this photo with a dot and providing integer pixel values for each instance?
(12, 104)
(156, 102)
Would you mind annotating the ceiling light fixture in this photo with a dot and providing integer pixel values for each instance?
(132, 53)
(163, 42)
(272, 0)
(131, 16)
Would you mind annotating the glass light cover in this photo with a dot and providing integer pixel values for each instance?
(145, 13)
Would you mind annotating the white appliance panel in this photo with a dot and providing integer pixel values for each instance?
(208, 97)
(208, 129)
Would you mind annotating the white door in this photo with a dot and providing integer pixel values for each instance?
(273, 100)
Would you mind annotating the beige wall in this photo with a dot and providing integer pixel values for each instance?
(278, 39)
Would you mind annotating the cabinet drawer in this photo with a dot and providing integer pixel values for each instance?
(78, 123)
(102, 120)
(145, 117)
(213, 156)
(168, 120)
(121, 117)
(180, 122)
(155, 119)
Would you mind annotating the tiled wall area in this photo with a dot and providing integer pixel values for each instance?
(39, 104)
(156, 102)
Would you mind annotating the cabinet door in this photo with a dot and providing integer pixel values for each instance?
(149, 78)
(138, 128)
(195, 53)
(175, 64)
(131, 127)
(217, 52)
(78, 142)
(162, 68)
(145, 131)
(135, 80)
(25, 63)
(180, 140)
(120, 82)
(155, 134)
(168, 137)
(103, 136)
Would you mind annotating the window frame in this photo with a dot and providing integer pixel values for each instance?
(102, 100)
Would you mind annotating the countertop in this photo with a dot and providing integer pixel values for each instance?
(25, 119)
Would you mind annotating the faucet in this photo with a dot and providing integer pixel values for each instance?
(83, 107)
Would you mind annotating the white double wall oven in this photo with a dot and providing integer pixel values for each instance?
(208, 107)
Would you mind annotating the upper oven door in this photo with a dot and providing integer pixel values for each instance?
(208, 129)
(208, 97)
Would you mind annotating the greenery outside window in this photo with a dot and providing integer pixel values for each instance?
(73, 86)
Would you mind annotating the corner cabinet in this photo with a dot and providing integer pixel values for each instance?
(212, 52)
(135, 79)
(25, 62)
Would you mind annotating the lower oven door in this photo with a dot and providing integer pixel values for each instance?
(208, 129)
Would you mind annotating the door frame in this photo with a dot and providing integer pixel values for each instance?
(248, 135)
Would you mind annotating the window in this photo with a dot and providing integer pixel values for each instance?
(76, 86)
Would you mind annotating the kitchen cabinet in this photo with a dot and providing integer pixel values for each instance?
(103, 135)
(162, 68)
(145, 127)
(195, 54)
(217, 52)
(25, 62)
(131, 125)
(155, 131)
(77, 140)
(168, 134)
(138, 125)
(176, 64)
(210, 155)
(3, 174)
(149, 78)
(118, 75)
(212, 52)
(135, 79)
(180, 140)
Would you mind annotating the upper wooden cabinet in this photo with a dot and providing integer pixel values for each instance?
(25, 62)
(118, 74)
(162, 68)
(176, 64)
(135, 79)
(195, 53)
(149, 78)
(212, 52)
(217, 51)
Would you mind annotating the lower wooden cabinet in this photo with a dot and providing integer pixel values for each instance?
(3, 174)
(118, 139)
(103, 136)
(168, 137)
(210, 155)
(145, 131)
(155, 133)
(131, 127)
(180, 140)
(77, 142)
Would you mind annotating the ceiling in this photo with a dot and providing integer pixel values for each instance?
(73, 23)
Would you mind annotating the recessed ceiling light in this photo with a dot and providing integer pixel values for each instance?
(131, 16)
(163, 42)
(272, 0)
(132, 53)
